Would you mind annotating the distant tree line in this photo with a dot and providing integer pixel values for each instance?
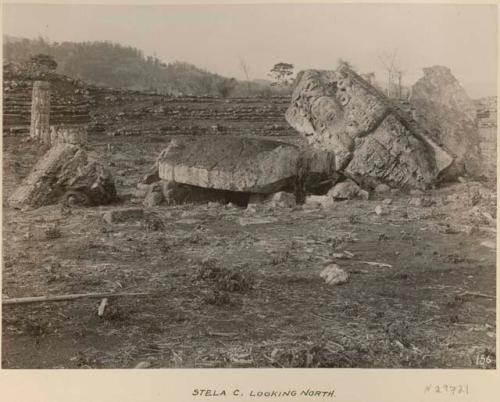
(114, 65)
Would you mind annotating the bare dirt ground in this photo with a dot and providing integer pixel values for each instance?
(268, 307)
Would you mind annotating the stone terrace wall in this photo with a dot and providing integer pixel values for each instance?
(69, 99)
(119, 112)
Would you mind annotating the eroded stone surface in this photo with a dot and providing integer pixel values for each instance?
(372, 142)
(40, 111)
(443, 108)
(347, 190)
(65, 172)
(249, 165)
(227, 163)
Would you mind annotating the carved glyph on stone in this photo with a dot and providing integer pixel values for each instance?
(373, 144)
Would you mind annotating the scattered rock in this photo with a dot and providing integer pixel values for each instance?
(345, 255)
(387, 201)
(421, 202)
(154, 196)
(347, 190)
(283, 199)
(324, 201)
(379, 210)
(334, 275)
(382, 188)
(102, 307)
(141, 190)
(252, 208)
(143, 365)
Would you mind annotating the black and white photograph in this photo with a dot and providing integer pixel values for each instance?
(225, 186)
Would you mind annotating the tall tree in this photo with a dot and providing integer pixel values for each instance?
(282, 73)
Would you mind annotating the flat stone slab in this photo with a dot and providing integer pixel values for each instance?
(230, 163)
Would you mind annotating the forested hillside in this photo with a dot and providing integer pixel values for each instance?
(115, 65)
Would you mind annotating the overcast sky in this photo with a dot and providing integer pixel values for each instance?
(462, 37)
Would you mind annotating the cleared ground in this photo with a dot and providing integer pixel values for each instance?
(432, 308)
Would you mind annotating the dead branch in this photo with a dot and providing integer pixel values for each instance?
(41, 299)
(477, 295)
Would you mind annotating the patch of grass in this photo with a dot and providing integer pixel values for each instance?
(114, 313)
(195, 237)
(225, 279)
(383, 237)
(36, 327)
(341, 238)
(398, 331)
(281, 258)
(154, 223)
(353, 219)
(85, 361)
(218, 298)
(53, 233)
(316, 355)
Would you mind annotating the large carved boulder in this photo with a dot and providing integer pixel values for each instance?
(241, 164)
(443, 108)
(372, 142)
(65, 173)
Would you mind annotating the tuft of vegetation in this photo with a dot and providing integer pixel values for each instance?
(224, 279)
(218, 298)
(53, 233)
